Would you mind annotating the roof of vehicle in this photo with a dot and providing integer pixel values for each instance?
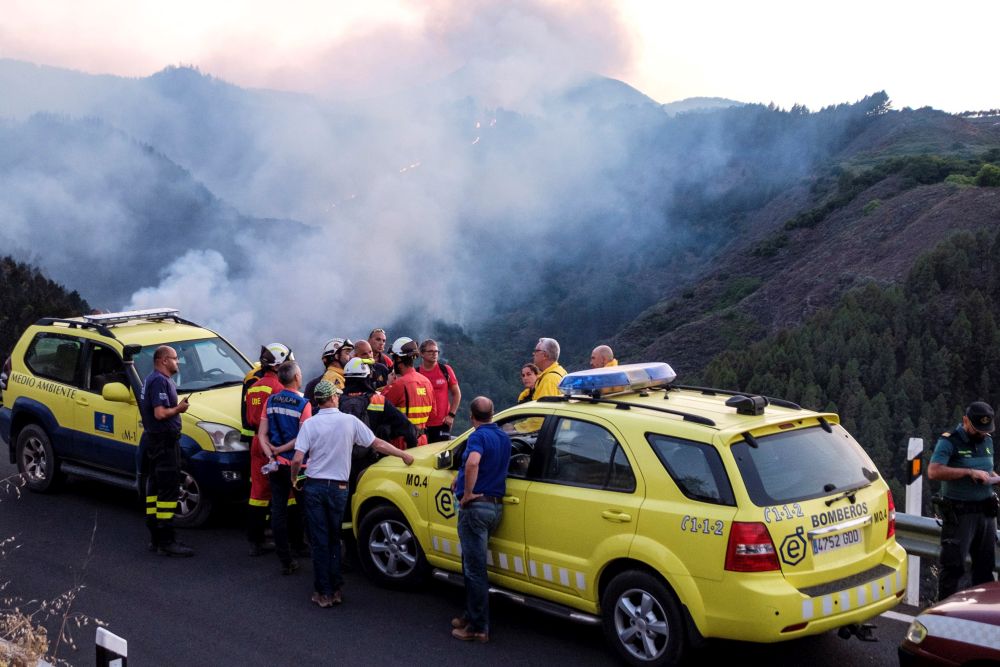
(700, 408)
(143, 327)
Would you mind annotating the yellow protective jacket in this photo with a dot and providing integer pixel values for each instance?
(548, 382)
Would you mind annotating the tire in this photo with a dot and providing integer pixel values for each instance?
(36, 460)
(194, 506)
(642, 620)
(389, 551)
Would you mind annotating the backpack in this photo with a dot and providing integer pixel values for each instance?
(357, 405)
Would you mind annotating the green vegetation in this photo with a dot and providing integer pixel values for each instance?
(25, 296)
(770, 247)
(872, 206)
(988, 176)
(912, 171)
(736, 290)
(894, 361)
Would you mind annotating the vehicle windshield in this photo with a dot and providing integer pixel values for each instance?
(802, 464)
(201, 364)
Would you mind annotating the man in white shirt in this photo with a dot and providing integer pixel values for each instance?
(328, 438)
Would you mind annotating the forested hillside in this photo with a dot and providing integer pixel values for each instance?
(896, 361)
(27, 295)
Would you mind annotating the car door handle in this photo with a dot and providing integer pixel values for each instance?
(511, 500)
(615, 516)
(82, 400)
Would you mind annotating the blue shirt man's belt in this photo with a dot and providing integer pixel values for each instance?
(487, 499)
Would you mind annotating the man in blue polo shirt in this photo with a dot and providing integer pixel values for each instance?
(963, 463)
(480, 486)
(160, 452)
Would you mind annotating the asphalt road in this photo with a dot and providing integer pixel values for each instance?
(223, 607)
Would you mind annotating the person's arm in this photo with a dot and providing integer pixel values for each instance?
(162, 412)
(383, 447)
(940, 472)
(471, 475)
(297, 464)
(454, 399)
(262, 437)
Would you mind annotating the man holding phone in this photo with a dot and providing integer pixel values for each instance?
(159, 448)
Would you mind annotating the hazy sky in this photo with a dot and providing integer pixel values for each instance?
(785, 51)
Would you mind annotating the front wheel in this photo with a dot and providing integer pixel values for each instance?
(389, 551)
(36, 460)
(642, 620)
(193, 505)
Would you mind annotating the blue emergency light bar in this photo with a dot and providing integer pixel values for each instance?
(615, 379)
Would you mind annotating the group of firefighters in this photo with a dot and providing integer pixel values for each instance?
(406, 396)
(402, 401)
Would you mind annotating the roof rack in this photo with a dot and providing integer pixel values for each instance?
(708, 391)
(626, 405)
(76, 324)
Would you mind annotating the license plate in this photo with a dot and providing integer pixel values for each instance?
(826, 543)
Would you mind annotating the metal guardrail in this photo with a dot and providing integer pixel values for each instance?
(921, 536)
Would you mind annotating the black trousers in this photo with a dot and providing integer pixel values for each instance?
(162, 465)
(966, 534)
(286, 520)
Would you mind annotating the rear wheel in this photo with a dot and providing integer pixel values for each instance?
(36, 460)
(642, 619)
(389, 551)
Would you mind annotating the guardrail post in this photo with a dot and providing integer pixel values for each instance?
(112, 650)
(914, 506)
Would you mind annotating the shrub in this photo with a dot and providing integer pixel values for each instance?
(988, 176)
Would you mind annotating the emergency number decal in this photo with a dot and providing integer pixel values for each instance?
(104, 422)
(416, 480)
(783, 512)
(693, 524)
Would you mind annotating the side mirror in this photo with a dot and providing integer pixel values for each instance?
(116, 392)
(443, 460)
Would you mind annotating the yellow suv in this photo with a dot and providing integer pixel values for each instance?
(69, 405)
(669, 514)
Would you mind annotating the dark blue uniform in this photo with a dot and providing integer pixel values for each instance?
(161, 457)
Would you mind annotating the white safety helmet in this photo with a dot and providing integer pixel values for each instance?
(335, 345)
(275, 354)
(405, 347)
(357, 368)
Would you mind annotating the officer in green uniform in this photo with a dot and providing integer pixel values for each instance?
(963, 463)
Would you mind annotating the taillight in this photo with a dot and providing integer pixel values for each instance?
(750, 549)
(891, 530)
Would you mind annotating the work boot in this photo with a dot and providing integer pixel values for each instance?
(468, 635)
(175, 549)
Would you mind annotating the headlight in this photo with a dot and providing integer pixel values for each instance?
(916, 632)
(225, 438)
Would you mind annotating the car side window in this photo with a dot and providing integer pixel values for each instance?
(55, 357)
(105, 367)
(585, 454)
(695, 467)
(523, 432)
